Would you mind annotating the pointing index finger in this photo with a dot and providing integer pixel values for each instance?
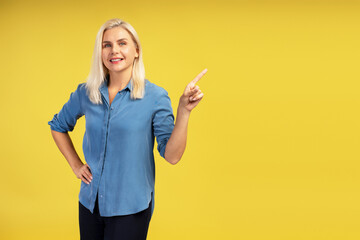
(200, 75)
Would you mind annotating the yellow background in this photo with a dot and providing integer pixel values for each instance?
(273, 148)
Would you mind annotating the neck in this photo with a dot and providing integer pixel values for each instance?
(119, 80)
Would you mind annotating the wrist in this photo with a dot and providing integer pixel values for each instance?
(183, 112)
(77, 165)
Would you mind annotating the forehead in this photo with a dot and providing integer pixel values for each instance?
(116, 33)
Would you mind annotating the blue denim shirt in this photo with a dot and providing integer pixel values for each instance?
(118, 145)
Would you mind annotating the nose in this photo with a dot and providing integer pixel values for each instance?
(115, 49)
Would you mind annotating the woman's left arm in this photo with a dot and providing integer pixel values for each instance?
(191, 97)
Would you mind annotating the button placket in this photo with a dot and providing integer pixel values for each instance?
(110, 110)
(104, 156)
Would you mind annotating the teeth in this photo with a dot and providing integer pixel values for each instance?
(116, 60)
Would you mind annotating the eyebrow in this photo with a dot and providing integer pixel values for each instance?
(121, 39)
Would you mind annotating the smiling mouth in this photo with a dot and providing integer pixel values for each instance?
(116, 60)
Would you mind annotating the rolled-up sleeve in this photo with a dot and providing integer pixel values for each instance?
(66, 119)
(163, 121)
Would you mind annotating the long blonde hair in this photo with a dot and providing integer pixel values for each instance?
(98, 70)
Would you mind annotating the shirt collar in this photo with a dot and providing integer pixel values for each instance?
(104, 88)
(104, 85)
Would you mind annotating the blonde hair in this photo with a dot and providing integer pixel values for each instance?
(98, 70)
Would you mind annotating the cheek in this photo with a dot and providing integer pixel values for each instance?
(104, 58)
(125, 51)
(103, 55)
(129, 51)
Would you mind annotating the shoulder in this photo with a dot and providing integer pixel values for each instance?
(157, 95)
(81, 86)
(80, 93)
(154, 90)
(81, 89)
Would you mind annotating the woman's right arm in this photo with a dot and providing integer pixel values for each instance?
(66, 147)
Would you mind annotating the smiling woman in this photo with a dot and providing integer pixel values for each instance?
(124, 114)
(105, 43)
(118, 51)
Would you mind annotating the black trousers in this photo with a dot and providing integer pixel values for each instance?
(127, 227)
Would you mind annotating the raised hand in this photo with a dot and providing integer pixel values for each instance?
(192, 94)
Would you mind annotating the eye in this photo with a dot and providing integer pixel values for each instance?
(107, 45)
(123, 43)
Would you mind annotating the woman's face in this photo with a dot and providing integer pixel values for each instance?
(118, 50)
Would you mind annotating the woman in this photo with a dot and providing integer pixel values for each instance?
(124, 113)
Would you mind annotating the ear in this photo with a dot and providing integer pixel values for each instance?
(137, 53)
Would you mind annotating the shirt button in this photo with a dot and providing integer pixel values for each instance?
(111, 108)
(101, 196)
